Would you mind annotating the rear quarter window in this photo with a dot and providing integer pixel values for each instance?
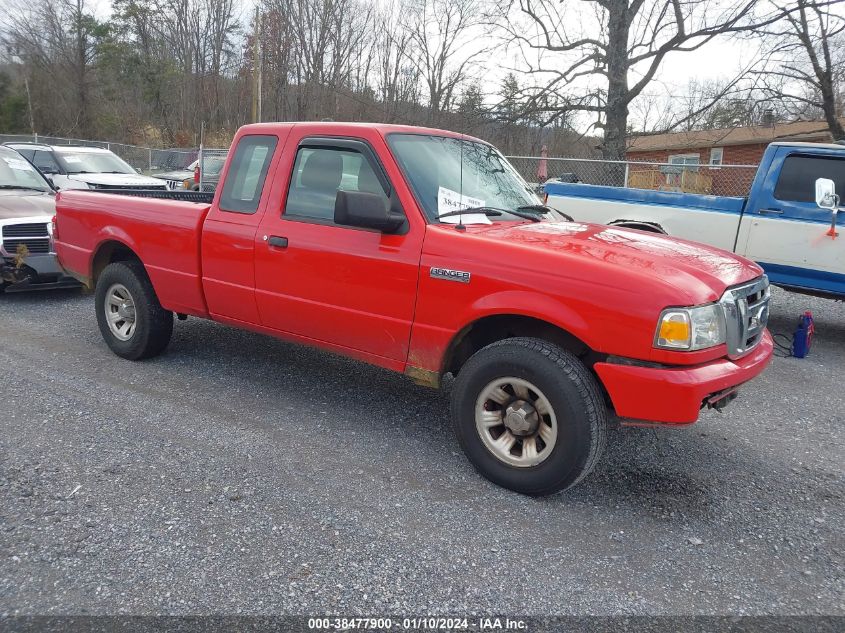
(245, 179)
(797, 179)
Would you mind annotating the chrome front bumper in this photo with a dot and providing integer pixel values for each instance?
(38, 268)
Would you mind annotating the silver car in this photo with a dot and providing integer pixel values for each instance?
(27, 207)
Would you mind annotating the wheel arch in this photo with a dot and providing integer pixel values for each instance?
(495, 327)
(107, 252)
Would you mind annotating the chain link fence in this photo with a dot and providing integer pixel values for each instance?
(717, 180)
(177, 163)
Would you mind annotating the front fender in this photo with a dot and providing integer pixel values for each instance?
(431, 341)
(530, 304)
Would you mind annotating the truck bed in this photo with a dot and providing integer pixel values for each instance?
(710, 219)
(724, 204)
(164, 233)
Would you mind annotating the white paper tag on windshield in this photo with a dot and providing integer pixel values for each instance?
(17, 163)
(448, 201)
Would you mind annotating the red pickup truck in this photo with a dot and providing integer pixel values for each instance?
(424, 252)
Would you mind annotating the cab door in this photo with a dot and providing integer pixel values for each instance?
(787, 233)
(348, 288)
(228, 233)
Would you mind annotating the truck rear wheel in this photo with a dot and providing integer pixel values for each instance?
(529, 415)
(131, 319)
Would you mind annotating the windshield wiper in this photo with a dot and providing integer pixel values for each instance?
(544, 208)
(493, 212)
(490, 212)
(21, 187)
(539, 208)
(526, 214)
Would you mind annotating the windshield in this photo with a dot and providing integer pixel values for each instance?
(93, 163)
(448, 174)
(16, 172)
(213, 165)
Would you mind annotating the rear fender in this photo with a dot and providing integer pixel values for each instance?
(107, 237)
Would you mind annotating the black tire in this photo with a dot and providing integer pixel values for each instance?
(153, 324)
(574, 397)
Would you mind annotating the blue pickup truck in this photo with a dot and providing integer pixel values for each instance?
(789, 223)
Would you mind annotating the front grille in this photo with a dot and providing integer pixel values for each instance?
(175, 184)
(34, 245)
(25, 230)
(746, 315)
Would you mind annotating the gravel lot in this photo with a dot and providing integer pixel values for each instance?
(239, 474)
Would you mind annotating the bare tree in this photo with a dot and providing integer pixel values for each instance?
(397, 77)
(57, 38)
(597, 56)
(444, 50)
(323, 46)
(806, 66)
(701, 105)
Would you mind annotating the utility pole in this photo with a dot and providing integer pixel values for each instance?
(16, 59)
(256, 68)
(201, 156)
(29, 104)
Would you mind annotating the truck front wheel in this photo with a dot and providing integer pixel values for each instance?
(529, 415)
(131, 319)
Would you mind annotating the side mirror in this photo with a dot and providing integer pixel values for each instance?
(826, 197)
(366, 210)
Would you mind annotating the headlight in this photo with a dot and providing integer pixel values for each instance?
(691, 328)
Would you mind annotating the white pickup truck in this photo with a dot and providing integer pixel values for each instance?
(796, 235)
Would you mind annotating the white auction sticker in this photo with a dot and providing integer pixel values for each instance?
(448, 201)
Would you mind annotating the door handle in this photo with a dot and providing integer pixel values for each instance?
(770, 211)
(278, 242)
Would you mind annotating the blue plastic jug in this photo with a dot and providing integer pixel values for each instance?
(803, 338)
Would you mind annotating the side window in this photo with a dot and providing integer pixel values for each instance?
(319, 173)
(687, 161)
(245, 180)
(797, 179)
(716, 154)
(27, 154)
(45, 162)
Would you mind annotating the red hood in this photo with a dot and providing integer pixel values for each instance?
(701, 271)
(25, 204)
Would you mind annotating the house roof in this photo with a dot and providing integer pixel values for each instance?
(797, 131)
